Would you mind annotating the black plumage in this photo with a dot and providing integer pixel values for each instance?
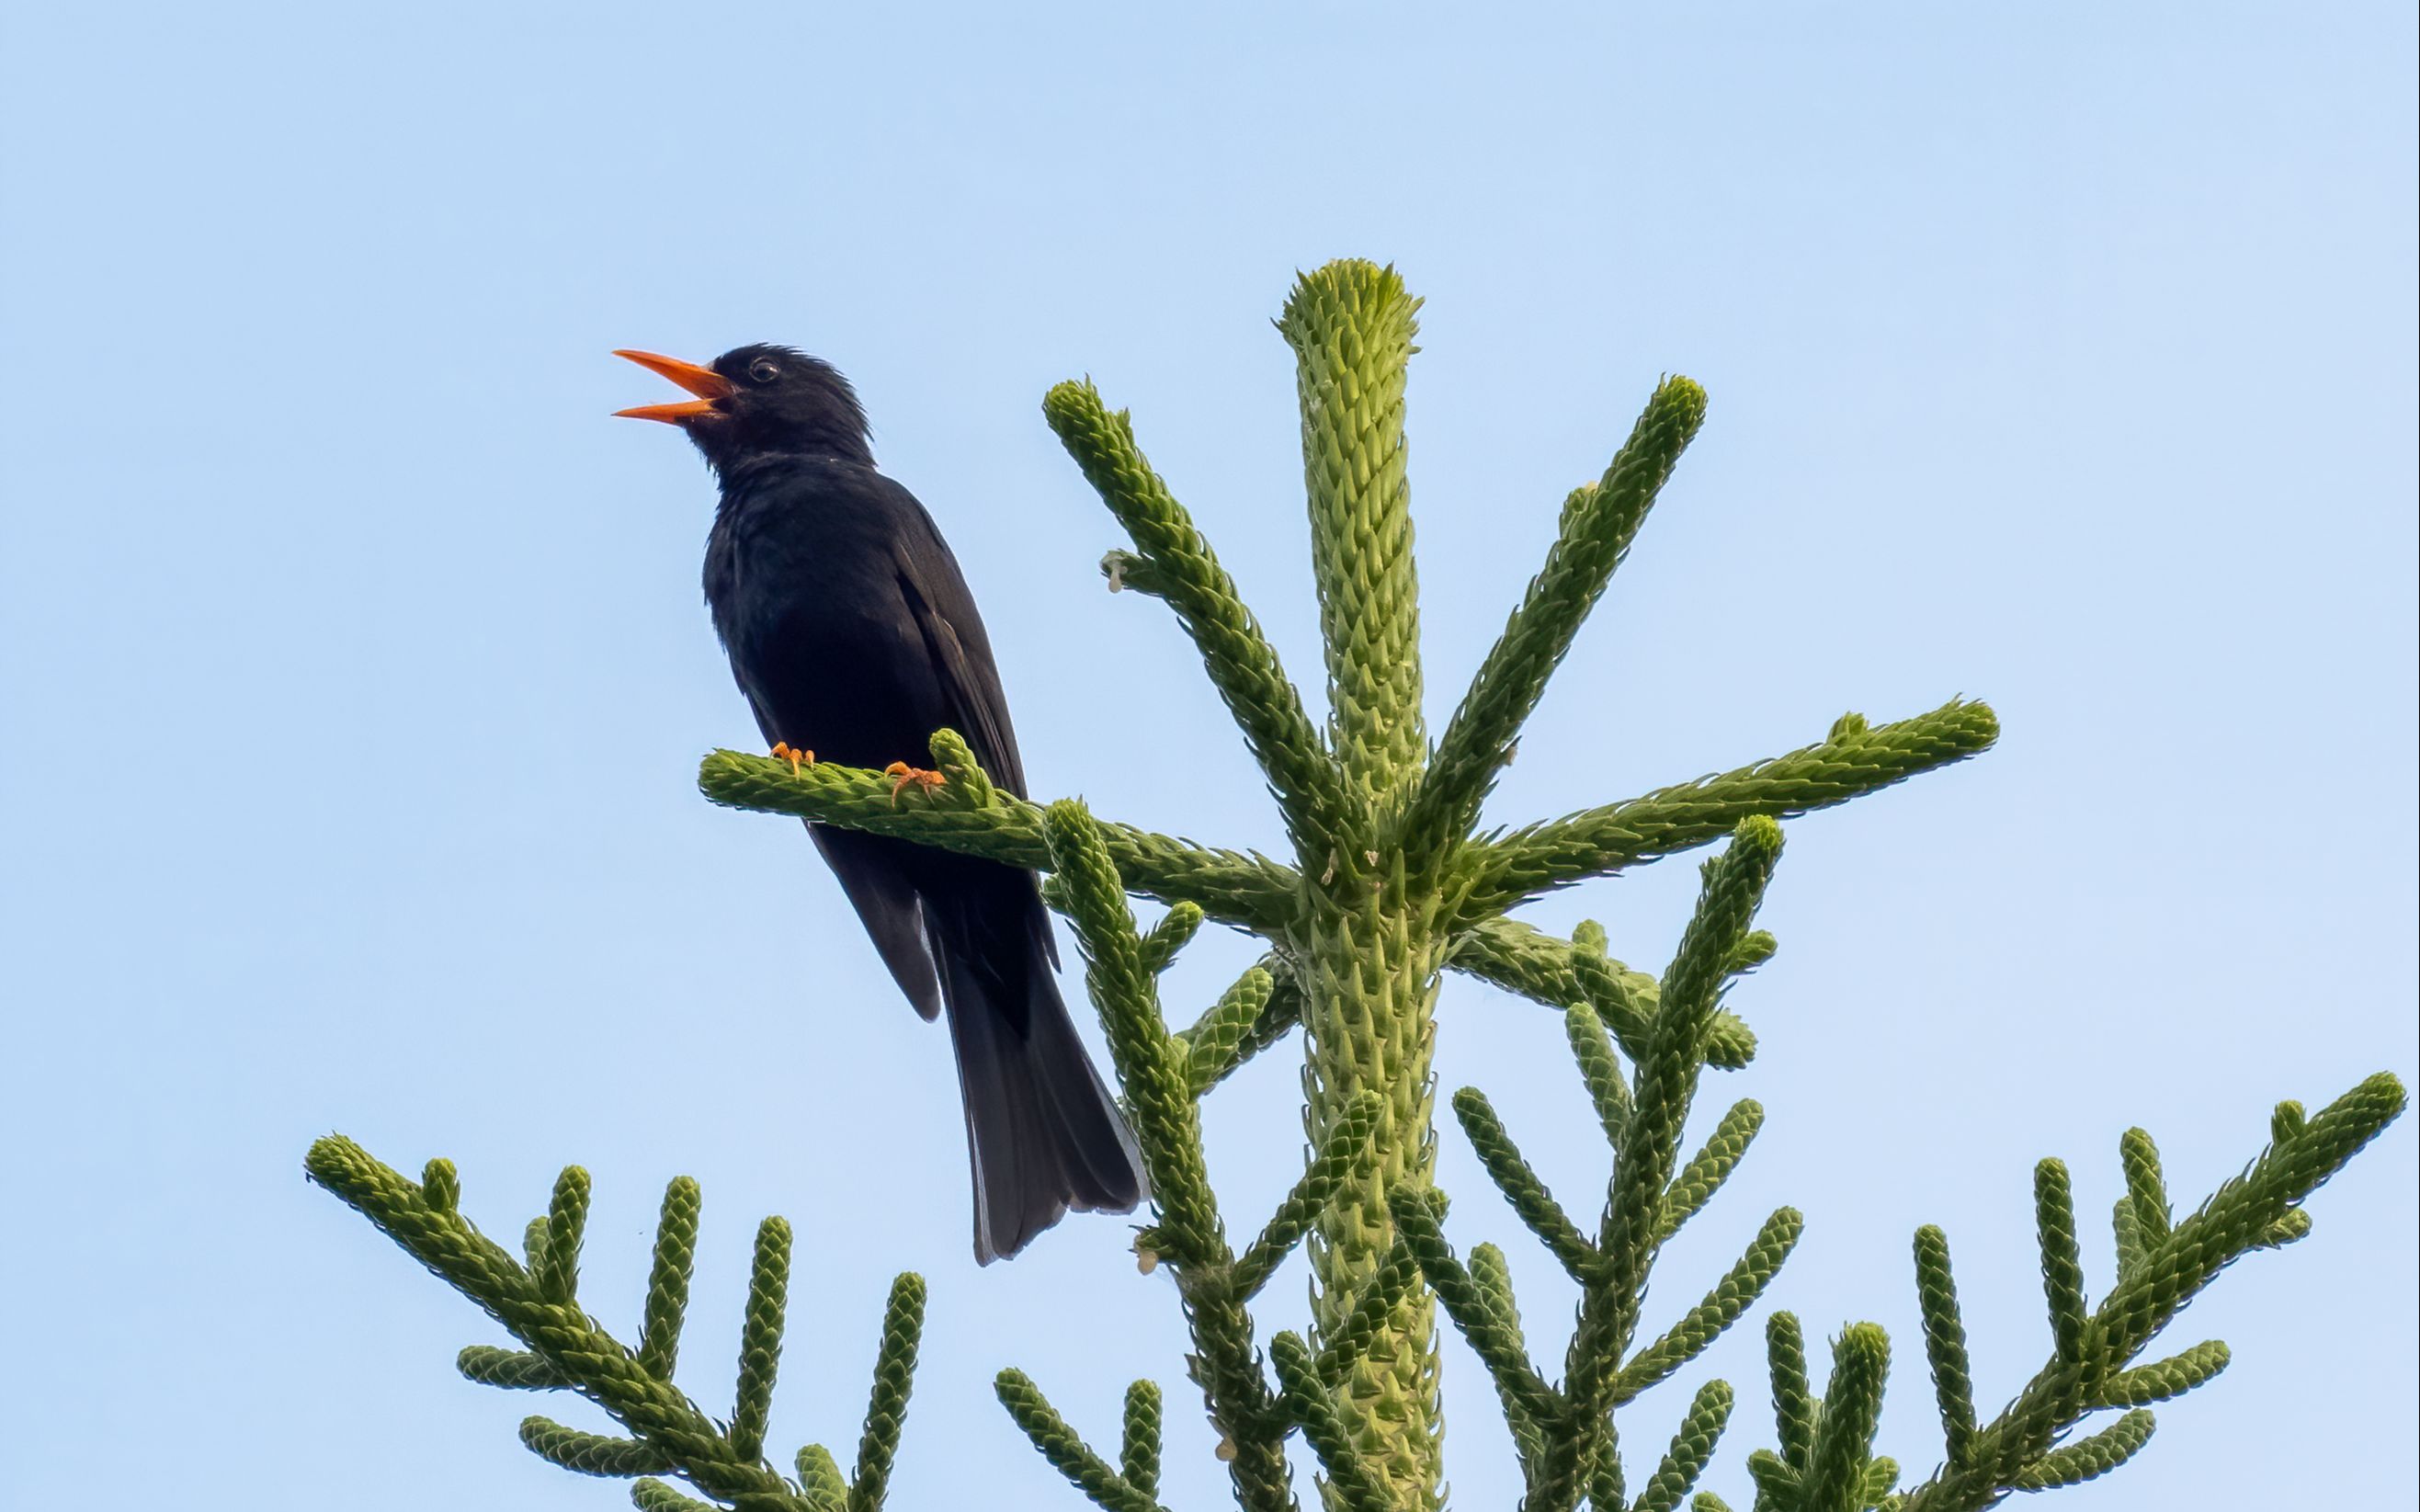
(853, 636)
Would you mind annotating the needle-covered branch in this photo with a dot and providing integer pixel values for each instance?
(564, 1347)
(1726, 1304)
(2089, 1365)
(1311, 1406)
(1346, 1150)
(1156, 1070)
(1491, 1337)
(1709, 1167)
(1521, 1185)
(1945, 1343)
(1838, 1464)
(1066, 1448)
(1560, 974)
(1648, 1150)
(1693, 1449)
(1186, 574)
(1493, 1276)
(1248, 1018)
(1139, 1439)
(1854, 760)
(1248, 891)
(1599, 522)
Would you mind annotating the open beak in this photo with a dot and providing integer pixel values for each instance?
(707, 384)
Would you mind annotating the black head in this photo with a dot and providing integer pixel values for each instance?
(759, 400)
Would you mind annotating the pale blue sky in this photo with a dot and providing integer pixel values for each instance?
(356, 673)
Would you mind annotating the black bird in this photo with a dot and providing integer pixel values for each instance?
(851, 632)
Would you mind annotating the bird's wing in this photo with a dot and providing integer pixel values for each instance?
(944, 612)
(943, 609)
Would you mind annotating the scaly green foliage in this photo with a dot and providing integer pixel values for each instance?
(1392, 880)
(564, 1349)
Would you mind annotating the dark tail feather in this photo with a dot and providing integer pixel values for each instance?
(1042, 1132)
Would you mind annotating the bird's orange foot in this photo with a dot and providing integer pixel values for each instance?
(785, 751)
(906, 773)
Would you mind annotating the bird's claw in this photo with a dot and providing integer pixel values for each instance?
(906, 773)
(785, 751)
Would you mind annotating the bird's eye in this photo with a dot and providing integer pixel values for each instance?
(762, 370)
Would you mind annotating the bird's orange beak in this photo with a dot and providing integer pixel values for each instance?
(707, 384)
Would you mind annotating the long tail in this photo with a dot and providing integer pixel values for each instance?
(1043, 1133)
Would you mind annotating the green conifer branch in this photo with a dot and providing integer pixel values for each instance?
(1711, 1166)
(1065, 1449)
(537, 1302)
(1607, 1092)
(1155, 1069)
(1541, 858)
(760, 1336)
(1882, 1477)
(2294, 1225)
(2238, 1218)
(1778, 1482)
(1794, 1392)
(1496, 1343)
(1726, 1304)
(2127, 1231)
(592, 1454)
(1522, 959)
(567, 1220)
(2089, 1459)
(1311, 1406)
(1522, 1188)
(1574, 1455)
(2062, 1264)
(1599, 522)
(1186, 574)
(1247, 891)
(651, 1495)
(819, 1477)
(886, 1409)
(1493, 1278)
(1605, 1484)
(2164, 1378)
(1346, 1150)
(1139, 1440)
(1158, 1084)
(511, 1369)
(1668, 1072)
(1253, 893)
(1693, 1449)
(1945, 1342)
(1172, 933)
(1837, 1467)
(1246, 1018)
(668, 1278)
(2147, 1189)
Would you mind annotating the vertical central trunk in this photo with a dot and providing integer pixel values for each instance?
(1371, 965)
(1367, 944)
